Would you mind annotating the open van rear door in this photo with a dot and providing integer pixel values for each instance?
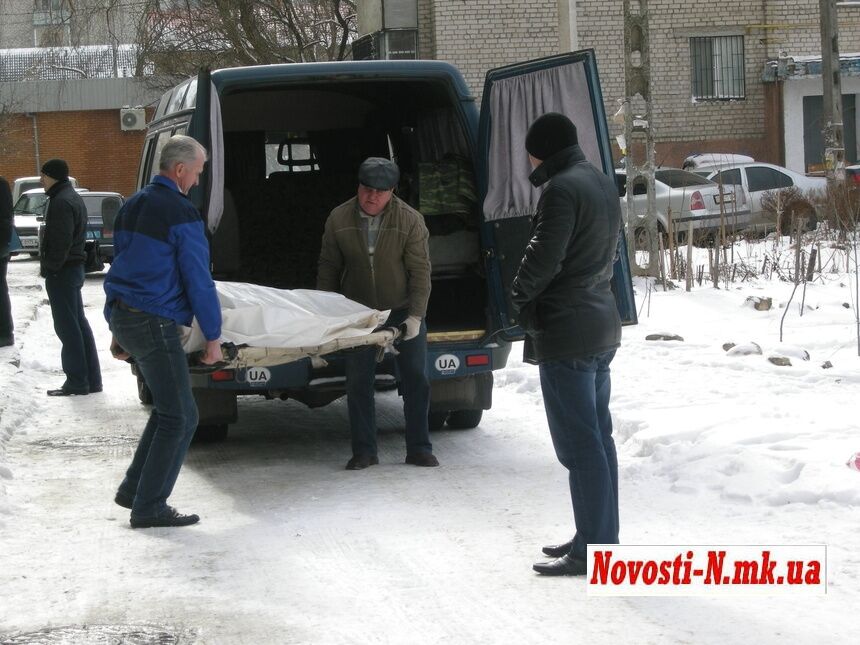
(514, 96)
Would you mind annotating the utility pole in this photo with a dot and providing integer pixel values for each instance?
(834, 147)
(637, 82)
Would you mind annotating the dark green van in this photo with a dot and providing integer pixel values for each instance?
(285, 143)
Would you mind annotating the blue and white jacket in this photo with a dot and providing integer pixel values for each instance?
(161, 259)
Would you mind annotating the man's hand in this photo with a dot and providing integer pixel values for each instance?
(117, 351)
(413, 326)
(213, 353)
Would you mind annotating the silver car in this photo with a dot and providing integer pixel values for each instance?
(757, 179)
(687, 198)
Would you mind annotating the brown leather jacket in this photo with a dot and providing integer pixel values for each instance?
(400, 274)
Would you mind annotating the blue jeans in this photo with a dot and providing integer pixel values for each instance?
(155, 345)
(78, 356)
(360, 367)
(576, 398)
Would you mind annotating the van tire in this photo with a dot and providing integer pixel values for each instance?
(214, 433)
(435, 420)
(143, 391)
(464, 419)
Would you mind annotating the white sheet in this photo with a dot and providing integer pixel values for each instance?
(267, 317)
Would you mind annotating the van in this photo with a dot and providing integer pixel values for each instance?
(285, 143)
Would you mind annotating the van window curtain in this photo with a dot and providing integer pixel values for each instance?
(515, 103)
(216, 162)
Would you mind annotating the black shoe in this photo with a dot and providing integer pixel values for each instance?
(123, 500)
(426, 459)
(170, 517)
(7, 341)
(360, 462)
(566, 565)
(557, 550)
(65, 392)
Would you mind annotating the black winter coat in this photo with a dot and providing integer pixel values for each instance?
(6, 218)
(562, 289)
(65, 229)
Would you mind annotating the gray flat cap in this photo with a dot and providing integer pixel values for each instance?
(378, 173)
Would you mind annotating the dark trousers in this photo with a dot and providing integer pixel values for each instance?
(414, 385)
(155, 345)
(6, 326)
(576, 398)
(79, 357)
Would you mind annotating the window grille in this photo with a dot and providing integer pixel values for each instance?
(718, 67)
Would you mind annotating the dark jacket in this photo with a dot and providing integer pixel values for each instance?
(562, 289)
(6, 218)
(65, 229)
(161, 259)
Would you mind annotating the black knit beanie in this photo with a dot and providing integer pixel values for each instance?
(549, 134)
(56, 169)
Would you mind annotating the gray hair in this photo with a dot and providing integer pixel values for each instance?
(180, 149)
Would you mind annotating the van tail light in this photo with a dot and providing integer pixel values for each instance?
(476, 360)
(856, 177)
(696, 202)
(223, 375)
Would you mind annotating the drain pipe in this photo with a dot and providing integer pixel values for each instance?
(33, 116)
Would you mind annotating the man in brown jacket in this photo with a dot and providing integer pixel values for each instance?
(374, 251)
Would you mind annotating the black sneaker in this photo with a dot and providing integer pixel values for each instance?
(170, 517)
(66, 392)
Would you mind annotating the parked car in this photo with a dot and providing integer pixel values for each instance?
(102, 208)
(689, 197)
(23, 184)
(758, 179)
(713, 159)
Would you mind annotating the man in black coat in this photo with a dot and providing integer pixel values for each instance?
(562, 291)
(62, 265)
(7, 337)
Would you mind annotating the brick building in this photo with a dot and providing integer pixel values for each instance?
(714, 87)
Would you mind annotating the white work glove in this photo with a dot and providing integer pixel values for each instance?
(413, 326)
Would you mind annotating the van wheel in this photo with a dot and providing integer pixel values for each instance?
(143, 391)
(435, 420)
(214, 433)
(464, 419)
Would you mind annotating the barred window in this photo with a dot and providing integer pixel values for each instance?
(718, 67)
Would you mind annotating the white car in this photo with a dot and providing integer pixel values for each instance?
(758, 178)
(688, 197)
(23, 184)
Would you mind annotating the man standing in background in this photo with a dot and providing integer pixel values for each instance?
(62, 259)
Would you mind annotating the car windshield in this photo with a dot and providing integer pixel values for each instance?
(675, 178)
(31, 204)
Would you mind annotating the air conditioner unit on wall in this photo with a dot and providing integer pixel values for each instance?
(132, 119)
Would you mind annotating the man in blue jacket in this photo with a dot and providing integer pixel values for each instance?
(562, 291)
(159, 280)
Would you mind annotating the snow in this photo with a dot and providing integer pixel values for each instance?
(715, 447)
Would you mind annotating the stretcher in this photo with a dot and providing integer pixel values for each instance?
(264, 326)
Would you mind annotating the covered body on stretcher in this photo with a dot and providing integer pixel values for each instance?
(264, 326)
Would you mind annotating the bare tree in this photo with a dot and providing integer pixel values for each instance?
(181, 36)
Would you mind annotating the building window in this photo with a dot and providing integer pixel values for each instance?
(718, 67)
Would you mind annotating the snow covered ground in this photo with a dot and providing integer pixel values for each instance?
(714, 448)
